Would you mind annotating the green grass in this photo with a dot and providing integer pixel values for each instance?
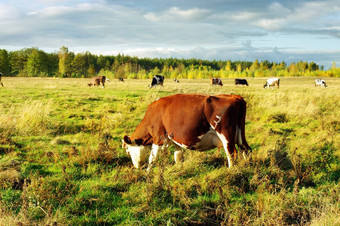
(61, 159)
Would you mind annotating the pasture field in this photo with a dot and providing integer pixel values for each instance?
(61, 161)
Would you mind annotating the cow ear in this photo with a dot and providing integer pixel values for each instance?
(127, 140)
(211, 98)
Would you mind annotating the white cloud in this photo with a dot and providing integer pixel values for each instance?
(177, 14)
(205, 29)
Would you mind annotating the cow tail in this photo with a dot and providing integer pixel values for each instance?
(242, 125)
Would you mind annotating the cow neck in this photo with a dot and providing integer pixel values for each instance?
(141, 135)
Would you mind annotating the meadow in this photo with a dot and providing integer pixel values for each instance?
(61, 160)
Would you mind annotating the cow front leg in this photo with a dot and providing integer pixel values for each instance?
(153, 156)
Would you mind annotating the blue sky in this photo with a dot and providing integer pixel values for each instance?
(277, 31)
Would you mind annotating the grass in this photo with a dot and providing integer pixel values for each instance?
(61, 159)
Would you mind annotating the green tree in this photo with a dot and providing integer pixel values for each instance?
(79, 64)
(18, 61)
(36, 63)
(5, 66)
(65, 61)
(228, 66)
(255, 66)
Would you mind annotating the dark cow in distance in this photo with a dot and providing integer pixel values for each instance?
(97, 81)
(189, 121)
(121, 79)
(176, 80)
(239, 81)
(157, 80)
(0, 80)
(216, 81)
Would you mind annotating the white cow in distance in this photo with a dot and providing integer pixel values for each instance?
(320, 82)
(272, 82)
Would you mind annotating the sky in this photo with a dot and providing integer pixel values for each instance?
(283, 30)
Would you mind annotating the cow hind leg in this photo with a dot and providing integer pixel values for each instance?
(229, 148)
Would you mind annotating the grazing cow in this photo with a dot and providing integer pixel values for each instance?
(96, 81)
(272, 82)
(0, 80)
(320, 82)
(176, 80)
(190, 121)
(157, 80)
(216, 81)
(121, 79)
(239, 81)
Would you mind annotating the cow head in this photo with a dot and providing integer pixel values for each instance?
(137, 152)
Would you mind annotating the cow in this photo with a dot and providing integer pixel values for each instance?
(0, 80)
(157, 80)
(216, 81)
(176, 80)
(189, 121)
(239, 81)
(320, 82)
(272, 82)
(121, 79)
(97, 80)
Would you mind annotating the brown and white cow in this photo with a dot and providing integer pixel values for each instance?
(216, 81)
(189, 121)
(0, 80)
(97, 80)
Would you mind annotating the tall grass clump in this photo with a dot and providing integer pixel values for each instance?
(29, 118)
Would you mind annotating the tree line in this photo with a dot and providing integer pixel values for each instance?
(33, 62)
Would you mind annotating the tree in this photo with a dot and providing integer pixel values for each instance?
(36, 64)
(78, 64)
(18, 61)
(65, 61)
(255, 66)
(228, 66)
(333, 65)
(91, 71)
(5, 66)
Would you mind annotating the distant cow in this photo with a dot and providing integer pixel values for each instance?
(216, 81)
(157, 80)
(121, 79)
(239, 81)
(320, 82)
(176, 80)
(272, 82)
(0, 80)
(97, 81)
(189, 121)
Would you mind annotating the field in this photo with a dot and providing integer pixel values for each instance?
(61, 160)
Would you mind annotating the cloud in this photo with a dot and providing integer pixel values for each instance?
(178, 14)
(194, 28)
